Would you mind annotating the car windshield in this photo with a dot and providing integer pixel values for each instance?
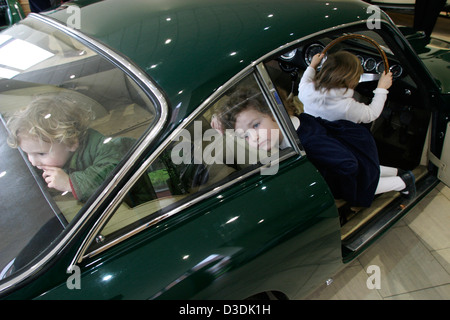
(68, 115)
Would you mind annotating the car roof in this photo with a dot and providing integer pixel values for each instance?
(192, 47)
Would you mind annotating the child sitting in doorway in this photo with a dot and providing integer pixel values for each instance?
(348, 162)
(328, 94)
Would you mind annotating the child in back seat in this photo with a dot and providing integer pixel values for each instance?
(54, 132)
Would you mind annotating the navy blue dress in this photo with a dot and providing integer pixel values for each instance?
(345, 154)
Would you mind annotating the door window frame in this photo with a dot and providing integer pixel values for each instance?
(266, 86)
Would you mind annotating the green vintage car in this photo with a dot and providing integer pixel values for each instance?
(189, 211)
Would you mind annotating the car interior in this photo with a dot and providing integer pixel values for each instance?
(400, 131)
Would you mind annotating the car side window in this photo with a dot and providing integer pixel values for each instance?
(69, 116)
(79, 91)
(215, 148)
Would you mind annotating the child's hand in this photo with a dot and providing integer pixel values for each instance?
(316, 59)
(385, 81)
(56, 178)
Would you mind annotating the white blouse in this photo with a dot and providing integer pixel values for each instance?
(338, 104)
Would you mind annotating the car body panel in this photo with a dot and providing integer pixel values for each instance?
(436, 57)
(235, 242)
(435, 54)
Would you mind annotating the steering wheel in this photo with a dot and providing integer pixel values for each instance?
(361, 37)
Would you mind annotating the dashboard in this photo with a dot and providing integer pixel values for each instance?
(400, 125)
(372, 63)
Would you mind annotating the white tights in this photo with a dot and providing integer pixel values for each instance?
(389, 181)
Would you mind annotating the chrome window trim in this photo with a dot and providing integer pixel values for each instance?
(150, 89)
(280, 111)
(251, 68)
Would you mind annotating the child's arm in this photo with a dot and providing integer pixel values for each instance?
(362, 113)
(305, 87)
(85, 182)
(367, 113)
(316, 59)
(96, 163)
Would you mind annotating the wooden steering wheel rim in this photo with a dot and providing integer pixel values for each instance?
(362, 37)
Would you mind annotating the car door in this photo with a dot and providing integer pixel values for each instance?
(228, 229)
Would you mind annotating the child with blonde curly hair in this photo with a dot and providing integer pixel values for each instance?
(54, 133)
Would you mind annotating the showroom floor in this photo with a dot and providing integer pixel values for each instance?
(413, 258)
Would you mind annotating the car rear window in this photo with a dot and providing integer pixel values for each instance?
(43, 68)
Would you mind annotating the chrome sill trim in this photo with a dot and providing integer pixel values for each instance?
(382, 222)
(133, 70)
